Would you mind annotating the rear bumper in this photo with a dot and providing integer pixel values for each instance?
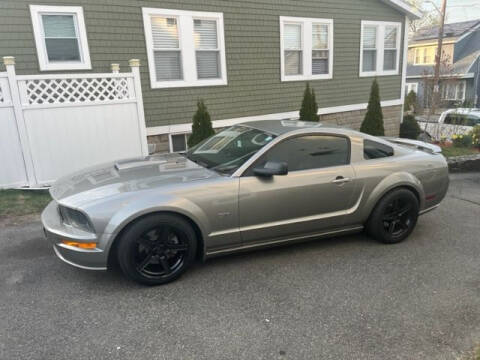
(56, 232)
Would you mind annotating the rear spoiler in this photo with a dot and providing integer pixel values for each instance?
(420, 145)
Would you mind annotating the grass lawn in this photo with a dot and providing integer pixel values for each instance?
(450, 151)
(22, 202)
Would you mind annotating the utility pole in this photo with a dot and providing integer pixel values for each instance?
(438, 58)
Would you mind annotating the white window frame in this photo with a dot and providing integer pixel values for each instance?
(170, 141)
(462, 83)
(422, 62)
(306, 26)
(412, 86)
(380, 47)
(187, 47)
(36, 12)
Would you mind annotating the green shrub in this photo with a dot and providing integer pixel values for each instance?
(202, 125)
(462, 140)
(475, 134)
(373, 122)
(409, 128)
(411, 102)
(309, 109)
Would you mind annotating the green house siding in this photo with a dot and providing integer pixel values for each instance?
(116, 34)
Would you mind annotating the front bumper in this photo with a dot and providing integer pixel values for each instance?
(56, 232)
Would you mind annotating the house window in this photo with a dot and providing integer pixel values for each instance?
(178, 142)
(60, 37)
(306, 48)
(411, 87)
(425, 55)
(293, 49)
(380, 48)
(184, 48)
(454, 90)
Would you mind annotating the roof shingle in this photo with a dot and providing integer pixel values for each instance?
(450, 30)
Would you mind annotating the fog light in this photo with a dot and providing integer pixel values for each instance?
(80, 244)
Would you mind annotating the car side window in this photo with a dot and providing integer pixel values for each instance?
(448, 119)
(308, 152)
(472, 120)
(376, 150)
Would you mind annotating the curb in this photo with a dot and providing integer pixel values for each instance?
(465, 163)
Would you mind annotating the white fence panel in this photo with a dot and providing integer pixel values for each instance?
(66, 139)
(12, 167)
(57, 124)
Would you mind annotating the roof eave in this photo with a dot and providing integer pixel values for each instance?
(410, 11)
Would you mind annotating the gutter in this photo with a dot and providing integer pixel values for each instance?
(407, 9)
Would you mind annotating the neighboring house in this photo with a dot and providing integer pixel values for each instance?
(246, 59)
(460, 64)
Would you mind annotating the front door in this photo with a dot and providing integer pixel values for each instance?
(315, 195)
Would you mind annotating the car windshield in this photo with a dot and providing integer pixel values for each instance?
(226, 151)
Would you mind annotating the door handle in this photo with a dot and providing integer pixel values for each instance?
(340, 180)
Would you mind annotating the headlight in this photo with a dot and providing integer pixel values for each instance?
(75, 218)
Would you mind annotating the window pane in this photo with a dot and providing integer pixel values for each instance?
(418, 56)
(208, 64)
(59, 26)
(390, 60)
(293, 62)
(164, 32)
(374, 150)
(319, 36)
(168, 65)
(62, 50)
(320, 62)
(460, 91)
(390, 37)
(369, 37)
(369, 60)
(310, 152)
(451, 91)
(179, 143)
(292, 37)
(205, 34)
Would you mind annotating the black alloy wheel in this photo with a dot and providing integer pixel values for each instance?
(157, 249)
(394, 217)
(160, 252)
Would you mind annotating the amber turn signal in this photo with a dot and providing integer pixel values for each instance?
(79, 244)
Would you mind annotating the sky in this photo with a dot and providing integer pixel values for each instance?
(460, 10)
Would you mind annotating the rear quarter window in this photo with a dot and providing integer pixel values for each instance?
(376, 150)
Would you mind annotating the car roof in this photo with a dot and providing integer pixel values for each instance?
(279, 127)
(464, 111)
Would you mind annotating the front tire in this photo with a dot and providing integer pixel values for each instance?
(157, 249)
(394, 217)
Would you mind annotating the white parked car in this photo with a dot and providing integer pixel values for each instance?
(451, 122)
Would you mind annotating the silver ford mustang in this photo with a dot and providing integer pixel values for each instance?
(252, 185)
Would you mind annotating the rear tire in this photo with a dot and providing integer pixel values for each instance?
(394, 217)
(157, 249)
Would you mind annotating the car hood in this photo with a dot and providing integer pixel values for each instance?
(126, 176)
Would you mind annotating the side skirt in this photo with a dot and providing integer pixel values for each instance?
(282, 241)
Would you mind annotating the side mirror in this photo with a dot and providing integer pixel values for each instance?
(271, 168)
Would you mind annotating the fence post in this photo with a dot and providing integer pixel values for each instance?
(9, 62)
(115, 68)
(135, 66)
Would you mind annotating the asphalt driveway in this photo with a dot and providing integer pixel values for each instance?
(344, 298)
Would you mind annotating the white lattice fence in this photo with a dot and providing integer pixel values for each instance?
(66, 122)
(77, 90)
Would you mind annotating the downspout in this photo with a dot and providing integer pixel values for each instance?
(476, 84)
(404, 66)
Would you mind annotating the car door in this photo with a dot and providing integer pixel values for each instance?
(315, 195)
